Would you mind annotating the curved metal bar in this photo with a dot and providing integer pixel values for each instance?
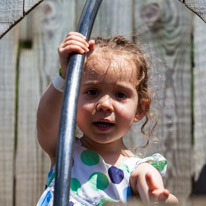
(69, 107)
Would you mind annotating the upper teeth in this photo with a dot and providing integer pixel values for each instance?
(103, 124)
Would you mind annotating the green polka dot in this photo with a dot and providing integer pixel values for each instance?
(105, 200)
(124, 167)
(89, 157)
(98, 181)
(160, 165)
(75, 185)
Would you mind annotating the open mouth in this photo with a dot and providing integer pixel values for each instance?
(103, 124)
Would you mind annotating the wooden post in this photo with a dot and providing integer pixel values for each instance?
(197, 6)
(165, 26)
(199, 70)
(38, 66)
(8, 61)
(13, 11)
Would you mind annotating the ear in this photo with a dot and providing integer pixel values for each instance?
(143, 108)
(138, 117)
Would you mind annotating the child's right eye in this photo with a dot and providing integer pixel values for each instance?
(92, 92)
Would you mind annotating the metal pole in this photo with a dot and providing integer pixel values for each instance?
(69, 107)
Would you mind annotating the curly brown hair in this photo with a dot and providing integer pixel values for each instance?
(119, 45)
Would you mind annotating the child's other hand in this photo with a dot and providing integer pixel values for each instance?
(155, 193)
(74, 42)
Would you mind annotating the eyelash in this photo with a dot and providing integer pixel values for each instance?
(121, 95)
(95, 92)
(90, 91)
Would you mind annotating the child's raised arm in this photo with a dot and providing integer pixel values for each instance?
(48, 114)
(147, 182)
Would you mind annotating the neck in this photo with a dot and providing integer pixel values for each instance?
(113, 153)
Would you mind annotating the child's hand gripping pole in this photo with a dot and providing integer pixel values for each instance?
(69, 107)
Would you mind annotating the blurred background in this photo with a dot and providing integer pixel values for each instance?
(173, 39)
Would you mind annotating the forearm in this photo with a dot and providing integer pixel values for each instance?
(48, 116)
(49, 109)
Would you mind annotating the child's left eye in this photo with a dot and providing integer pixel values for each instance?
(121, 95)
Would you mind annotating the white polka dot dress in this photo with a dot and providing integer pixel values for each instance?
(95, 182)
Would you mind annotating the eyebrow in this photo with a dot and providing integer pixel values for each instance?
(120, 84)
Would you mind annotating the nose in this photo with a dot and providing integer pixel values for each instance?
(105, 104)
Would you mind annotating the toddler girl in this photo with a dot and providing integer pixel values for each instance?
(113, 95)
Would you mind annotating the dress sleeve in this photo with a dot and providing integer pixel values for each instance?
(156, 160)
(50, 178)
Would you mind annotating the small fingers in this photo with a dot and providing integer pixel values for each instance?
(76, 37)
(65, 52)
(76, 34)
(79, 37)
(159, 195)
(91, 45)
(150, 182)
(66, 48)
(76, 44)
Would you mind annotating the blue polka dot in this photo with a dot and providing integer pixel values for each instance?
(126, 193)
(116, 175)
(71, 203)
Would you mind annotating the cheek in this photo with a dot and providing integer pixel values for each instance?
(79, 111)
(83, 108)
(84, 114)
(127, 113)
(81, 103)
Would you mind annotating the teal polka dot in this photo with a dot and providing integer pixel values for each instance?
(75, 185)
(124, 167)
(89, 157)
(105, 200)
(98, 181)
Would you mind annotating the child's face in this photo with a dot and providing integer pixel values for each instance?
(108, 98)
